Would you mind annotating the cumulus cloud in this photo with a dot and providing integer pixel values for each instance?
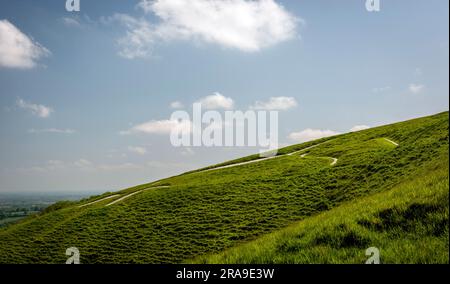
(416, 88)
(52, 130)
(137, 150)
(139, 39)
(311, 134)
(159, 127)
(216, 101)
(276, 103)
(17, 50)
(244, 25)
(36, 109)
(176, 105)
(359, 128)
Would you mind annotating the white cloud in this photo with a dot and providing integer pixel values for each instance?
(139, 39)
(36, 109)
(158, 127)
(238, 24)
(52, 130)
(276, 103)
(416, 88)
(137, 150)
(176, 105)
(17, 50)
(359, 128)
(311, 134)
(71, 22)
(216, 101)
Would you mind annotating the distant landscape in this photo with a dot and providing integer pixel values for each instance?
(14, 207)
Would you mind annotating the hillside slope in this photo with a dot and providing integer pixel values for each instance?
(408, 224)
(205, 212)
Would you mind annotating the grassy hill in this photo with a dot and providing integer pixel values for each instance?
(408, 224)
(384, 187)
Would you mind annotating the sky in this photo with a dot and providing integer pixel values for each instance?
(86, 97)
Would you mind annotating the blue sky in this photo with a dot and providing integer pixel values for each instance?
(343, 66)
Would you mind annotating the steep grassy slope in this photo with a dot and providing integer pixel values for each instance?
(206, 212)
(408, 224)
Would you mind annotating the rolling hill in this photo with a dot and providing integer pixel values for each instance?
(324, 201)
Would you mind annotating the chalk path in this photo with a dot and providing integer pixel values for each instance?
(263, 159)
(133, 193)
(390, 141)
(100, 200)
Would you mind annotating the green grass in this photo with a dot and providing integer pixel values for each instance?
(203, 213)
(408, 224)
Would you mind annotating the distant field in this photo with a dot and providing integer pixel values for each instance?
(17, 206)
(199, 215)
